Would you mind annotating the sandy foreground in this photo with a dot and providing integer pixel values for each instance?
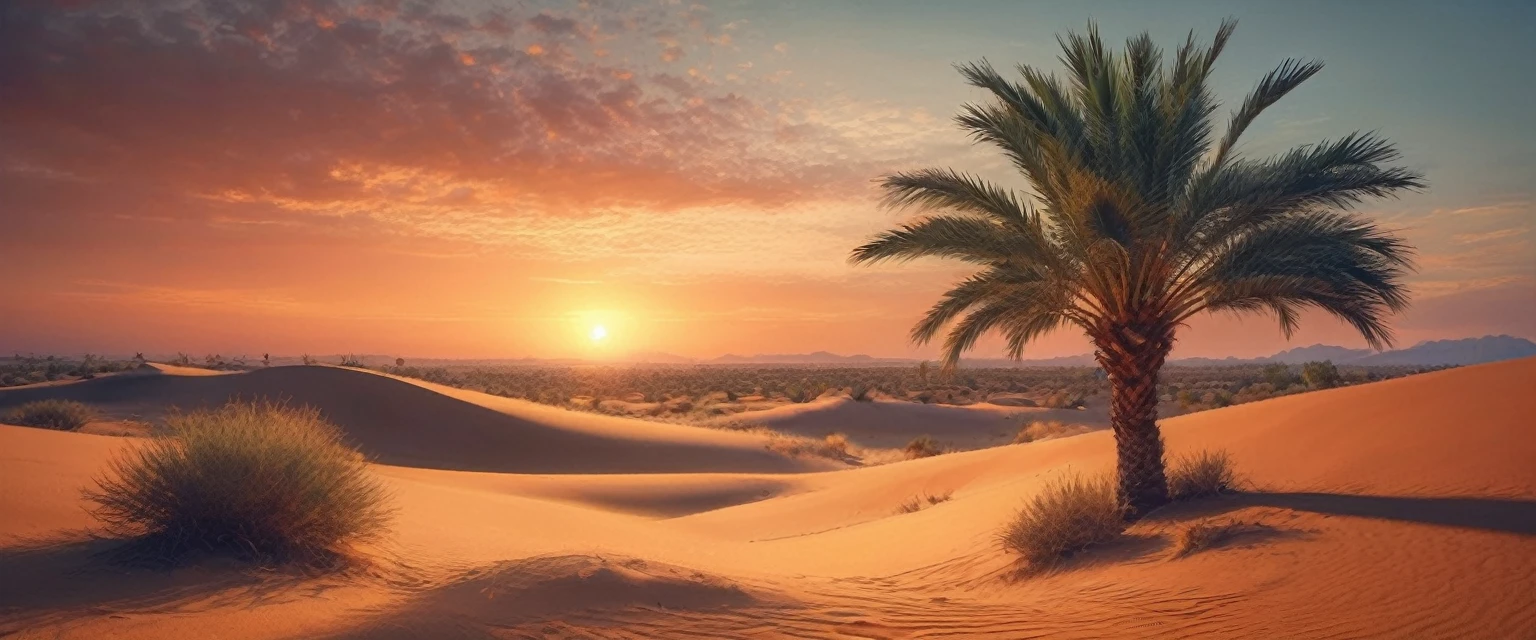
(1400, 509)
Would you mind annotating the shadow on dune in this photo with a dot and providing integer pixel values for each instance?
(396, 422)
(538, 597)
(56, 582)
(1488, 514)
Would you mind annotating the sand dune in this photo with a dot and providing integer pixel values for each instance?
(413, 423)
(892, 423)
(1404, 508)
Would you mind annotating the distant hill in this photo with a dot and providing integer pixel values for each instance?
(819, 357)
(1456, 352)
(1432, 353)
(1318, 352)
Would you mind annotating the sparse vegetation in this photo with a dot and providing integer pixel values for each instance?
(1320, 375)
(1047, 429)
(261, 481)
(919, 502)
(1203, 474)
(1071, 513)
(797, 446)
(62, 415)
(837, 443)
(922, 447)
(22, 370)
(1204, 534)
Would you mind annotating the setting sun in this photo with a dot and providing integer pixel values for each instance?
(599, 332)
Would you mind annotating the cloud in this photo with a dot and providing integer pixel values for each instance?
(1497, 234)
(325, 103)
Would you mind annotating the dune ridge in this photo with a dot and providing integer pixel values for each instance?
(406, 422)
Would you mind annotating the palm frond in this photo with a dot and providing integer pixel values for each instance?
(1271, 88)
(943, 236)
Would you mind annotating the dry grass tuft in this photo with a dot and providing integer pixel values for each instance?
(833, 447)
(1205, 534)
(263, 482)
(1048, 429)
(837, 443)
(62, 415)
(1070, 514)
(919, 502)
(922, 447)
(1203, 474)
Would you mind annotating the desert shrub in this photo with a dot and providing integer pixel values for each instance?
(1063, 400)
(64, 415)
(922, 447)
(262, 481)
(1046, 430)
(798, 446)
(918, 502)
(1069, 514)
(1203, 474)
(837, 443)
(1320, 375)
(1205, 534)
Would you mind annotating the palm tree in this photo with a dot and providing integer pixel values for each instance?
(1137, 219)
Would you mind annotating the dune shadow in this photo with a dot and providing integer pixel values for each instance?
(1488, 514)
(537, 596)
(48, 583)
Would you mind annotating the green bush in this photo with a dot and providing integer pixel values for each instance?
(64, 415)
(1320, 375)
(261, 481)
(1070, 514)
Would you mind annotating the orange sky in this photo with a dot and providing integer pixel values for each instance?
(482, 180)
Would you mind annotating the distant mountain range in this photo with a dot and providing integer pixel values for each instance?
(1431, 353)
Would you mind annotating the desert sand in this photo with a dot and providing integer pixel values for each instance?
(888, 424)
(1399, 509)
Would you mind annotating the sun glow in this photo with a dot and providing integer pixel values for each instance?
(599, 332)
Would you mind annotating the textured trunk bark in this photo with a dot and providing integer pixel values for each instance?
(1132, 360)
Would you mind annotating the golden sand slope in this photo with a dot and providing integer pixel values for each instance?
(1401, 509)
(413, 423)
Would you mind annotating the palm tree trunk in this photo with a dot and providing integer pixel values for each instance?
(1132, 360)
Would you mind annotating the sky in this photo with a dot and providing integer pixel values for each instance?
(483, 179)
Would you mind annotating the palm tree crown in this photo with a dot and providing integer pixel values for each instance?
(1138, 217)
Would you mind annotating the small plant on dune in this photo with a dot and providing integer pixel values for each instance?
(922, 447)
(261, 481)
(797, 446)
(837, 443)
(1202, 535)
(1203, 474)
(919, 502)
(1045, 430)
(63, 415)
(1069, 514)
